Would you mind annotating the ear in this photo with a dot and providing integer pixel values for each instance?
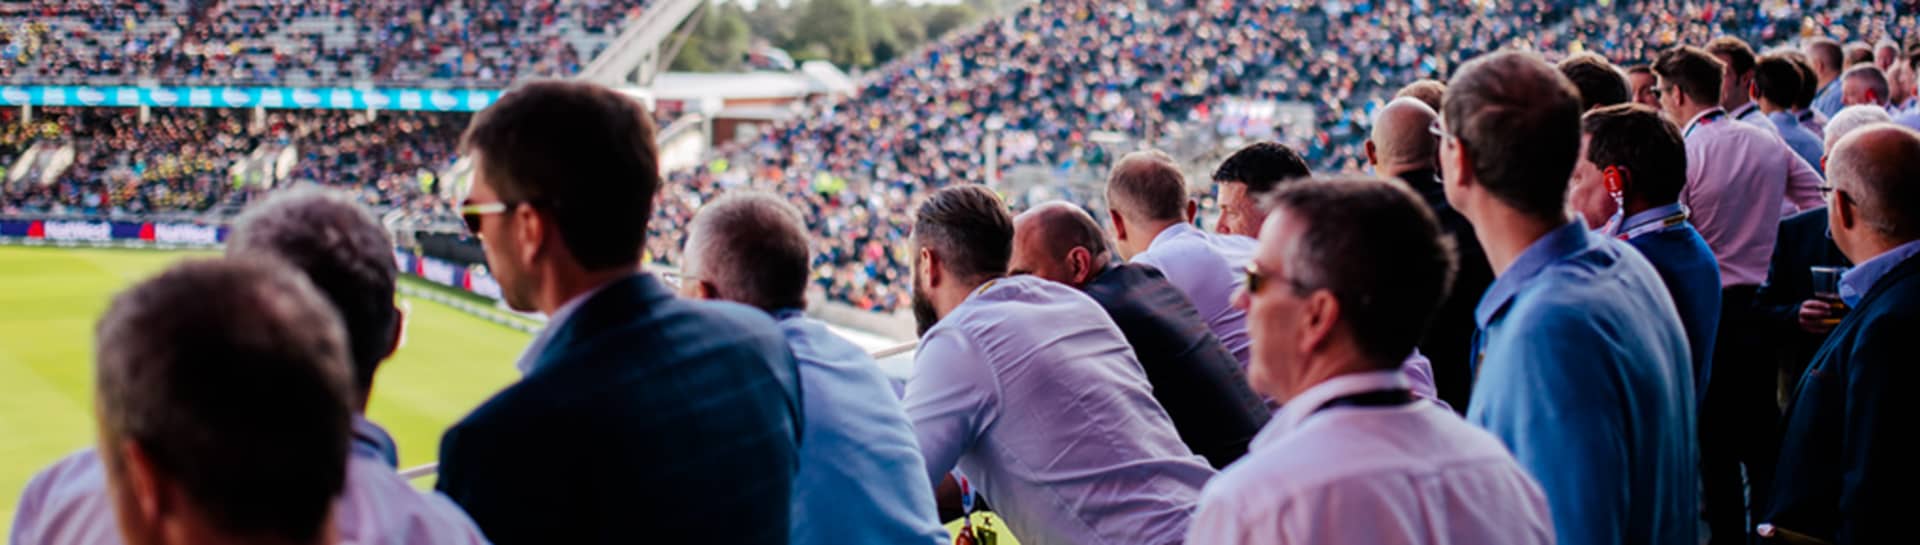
(142, 487)
(399, 333)
(1845, 211)
(1372, 159)
(1753, 90)
(1321, 313)
(1079, 265)
(932, 268)
(1119, 225)
(530, 230)
(1193, 210)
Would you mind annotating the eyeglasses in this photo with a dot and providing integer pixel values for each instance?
(1255, 279)
(471, 214)
(1438, 130)
(1656, 91)
(1827, 192)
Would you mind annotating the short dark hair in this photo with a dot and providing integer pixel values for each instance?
(1640, 69)
(969, 227)
(1691, 70)
(1827, 52)
(329, 237)
(1432, 92)
(231, 377)
(1261, 166)
(581, 151)
(1809, 79)
(1599, 83)
(1740, 56)
(1149, 184)
(1778, 80)
(1645, 144)
(1377, 248)
(754, 247)
(1520, 119)
(1872, 77)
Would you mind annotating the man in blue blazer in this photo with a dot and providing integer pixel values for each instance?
(1846, 461)
(641, 417)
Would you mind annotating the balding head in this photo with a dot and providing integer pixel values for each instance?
(751, 248)
(1145, 194)
(1058, 241)
(1401, 141)
(1875, 172)
(1850, 119)
(1864, 85)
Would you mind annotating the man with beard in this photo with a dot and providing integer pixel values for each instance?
(1033, 391)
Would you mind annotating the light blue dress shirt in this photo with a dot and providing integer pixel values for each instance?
(1033, 391)
(1804, 142)
(68, 503)
(1209, 268)
(1584, 372)
(1858, 281)
(1829, 101)
(861, 479)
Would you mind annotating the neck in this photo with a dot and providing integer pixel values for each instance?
(1867, 244)
(1326, 367)
(1690, 111)
(1400, 169)
(1149, 230)
(565, 285)
(1734, 105)
(1635, 205)
(1827, 78)
(1506, 233)
(949, 297)
(196, 534)
(1769, 107)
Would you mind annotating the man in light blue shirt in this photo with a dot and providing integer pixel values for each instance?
(1582, 360)
(1828, 62)
(861, 477)
(1032, 390)
(1776, 82)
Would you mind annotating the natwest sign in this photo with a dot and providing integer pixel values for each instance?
(77, 230)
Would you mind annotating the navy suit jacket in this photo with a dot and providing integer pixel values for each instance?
(1448, 342)
(1847, 471)
(1801, 245)
(646, 419)
(1194, 377)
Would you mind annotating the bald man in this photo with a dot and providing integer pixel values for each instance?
(1194, 377)
(1402, 146)
(1864, 85)
(1845, 462)
(1152, 219)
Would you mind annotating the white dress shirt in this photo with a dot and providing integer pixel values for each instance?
(1033, 391)
(1405, 474)
(1209, 268)
(1740, 179)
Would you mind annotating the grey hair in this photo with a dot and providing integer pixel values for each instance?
(336, 242)
(1377, 248)
(1850, 118)
(753, 248)
(1881, 174)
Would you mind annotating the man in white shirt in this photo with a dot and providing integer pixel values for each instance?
(1152, 222)
(1351, 458)
(1032, 390)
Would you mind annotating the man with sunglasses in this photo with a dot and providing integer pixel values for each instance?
(1347, 274)
(641, 416)
(1583, 368)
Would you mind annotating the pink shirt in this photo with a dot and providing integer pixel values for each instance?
(1740, 179)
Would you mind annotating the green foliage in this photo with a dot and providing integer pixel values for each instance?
(849, 33)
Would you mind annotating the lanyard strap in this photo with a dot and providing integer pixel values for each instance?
(1709, 118)
(1668, 222)
(1376, 398)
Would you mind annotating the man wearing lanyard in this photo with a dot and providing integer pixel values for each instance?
(1737, 175)
(1347, 273)
(1638, 159)
(1737, 60)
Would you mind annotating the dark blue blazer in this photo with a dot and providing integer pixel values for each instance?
(1194, 377)
(1448, 342)
(646, 419)
(1692, 276)
(1847, 469)
(1802, 244)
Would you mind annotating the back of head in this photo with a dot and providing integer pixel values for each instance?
(1431, 92)
(1402, 136)
(1885, 52)
(1599, 83)
(750, 247)
(1377, 248)
(1739, 56)
(1809, 79)
(582, 152)
(1646, 149)
(1261, 166)
(1825, 56)
(1147, 185)
(969, 227)
(343, 251)
(1858, 53)
(1692, 72)
(227, 381)
(1852, 118)
(1879, 166)
(1777, 80)
(1867, 84)
(1051, 231)
(1520, 120)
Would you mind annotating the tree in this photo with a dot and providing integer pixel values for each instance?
(947, 18)
(840, 26)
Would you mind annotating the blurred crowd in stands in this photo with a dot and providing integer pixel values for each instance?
(1060, 85)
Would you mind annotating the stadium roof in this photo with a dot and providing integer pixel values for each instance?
(814, 77)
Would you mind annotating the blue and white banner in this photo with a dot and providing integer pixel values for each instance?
(328, 98)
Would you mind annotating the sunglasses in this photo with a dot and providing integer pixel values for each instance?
(472, 213)
(1255, 279)
(1827, 191)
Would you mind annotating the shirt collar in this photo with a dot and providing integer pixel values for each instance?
(559, 318)
(1743, 110)
(1855, 284)
(1697, 119)
(1307, 403)
(1783, 117)
(1172, 231)
(1649, 215)
(372, 442)
(1556, 245)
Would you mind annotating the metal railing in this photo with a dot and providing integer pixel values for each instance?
(433, 468)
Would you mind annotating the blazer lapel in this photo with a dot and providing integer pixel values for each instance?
(618, 304)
